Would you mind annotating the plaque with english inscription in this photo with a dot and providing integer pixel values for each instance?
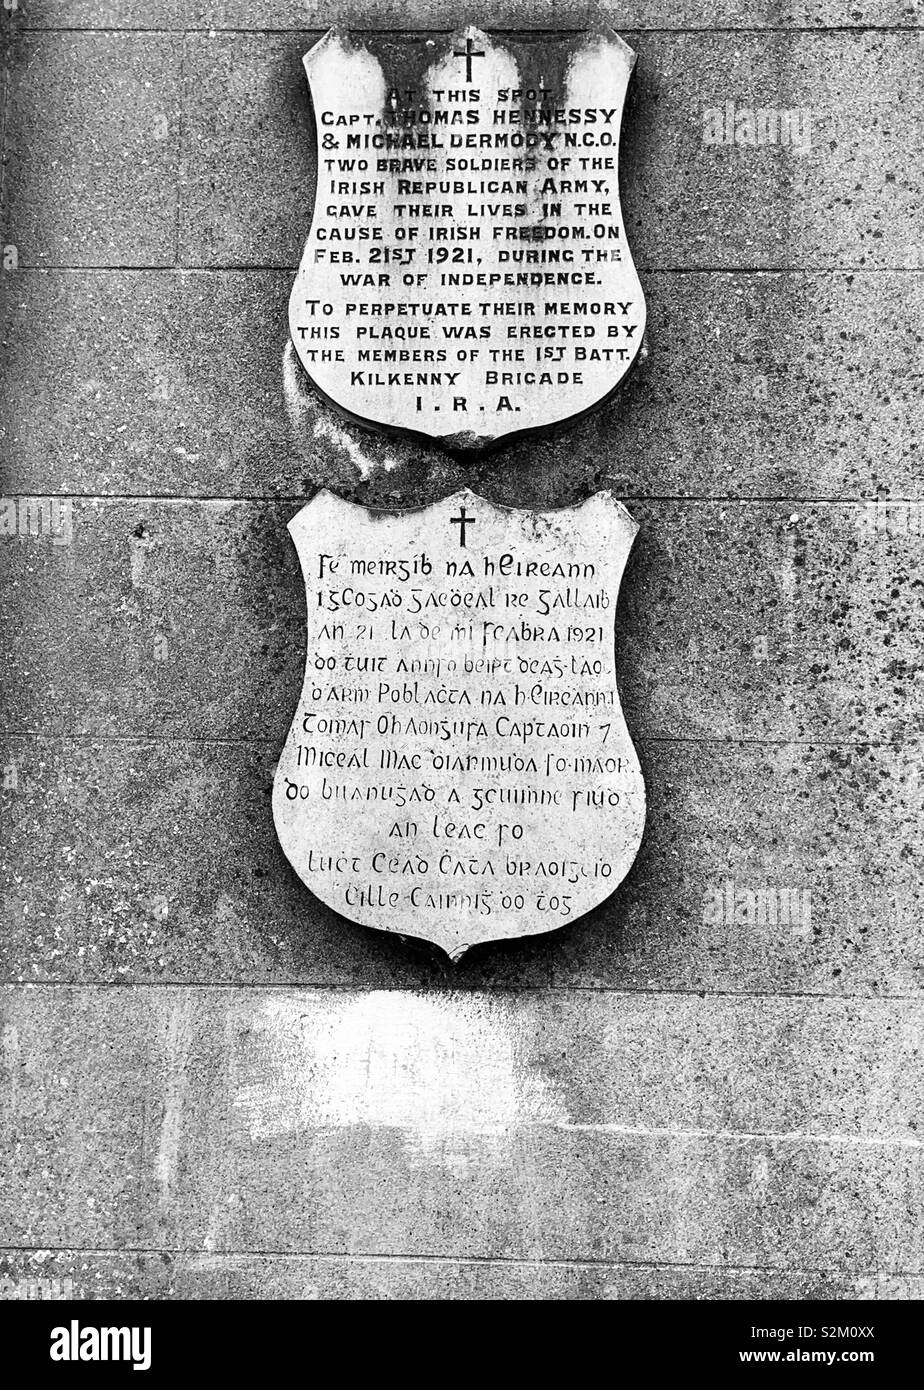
(459, 767)
(467, 276)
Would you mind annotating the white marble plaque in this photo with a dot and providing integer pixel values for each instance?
(459, 768)
(467, 276)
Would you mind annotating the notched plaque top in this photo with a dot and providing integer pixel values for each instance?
(466, 276)
(459, 768)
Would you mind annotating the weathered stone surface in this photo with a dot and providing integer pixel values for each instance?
(739, 620)
(136, 392)
(248, 172)
(777, 371)
(268, 15)
(573, 14)
(165, 1274)
(843, 203)
(151, 860)
(247, 185)
(146, 861)
(795, 623)
(103, 14)
(92, 138)
(519, 1127)
(847, 202)
(760, 362)
(770, 868)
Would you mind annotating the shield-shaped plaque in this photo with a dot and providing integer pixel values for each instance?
(459, 768)
(467, 276)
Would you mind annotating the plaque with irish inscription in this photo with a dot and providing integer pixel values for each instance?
(459, 768)
(467, 276)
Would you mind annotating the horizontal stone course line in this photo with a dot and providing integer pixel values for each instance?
(276, 268)
(217, 30)
(264, 499)
(162, 1275)
(822, 272)
(387, 1257)
(451, 989)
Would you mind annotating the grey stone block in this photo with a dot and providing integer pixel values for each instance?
(146, 382)
(102, 14)
(92, 149)
(247, 180)
(155, 625)
(773, 868)
(770, 385)
(566, 14)
(150, 861)
(772, 621)
(515, 1127)
(267, 15)
(738, 621)
(851, 200)
(125, 861)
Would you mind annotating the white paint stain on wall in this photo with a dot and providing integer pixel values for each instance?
(320, 426)
(450, 1072)
(365, 466)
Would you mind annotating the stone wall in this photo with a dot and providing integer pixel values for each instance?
(217, 1086)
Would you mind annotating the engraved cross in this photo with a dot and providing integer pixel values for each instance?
(468, 53)
(462, 520)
